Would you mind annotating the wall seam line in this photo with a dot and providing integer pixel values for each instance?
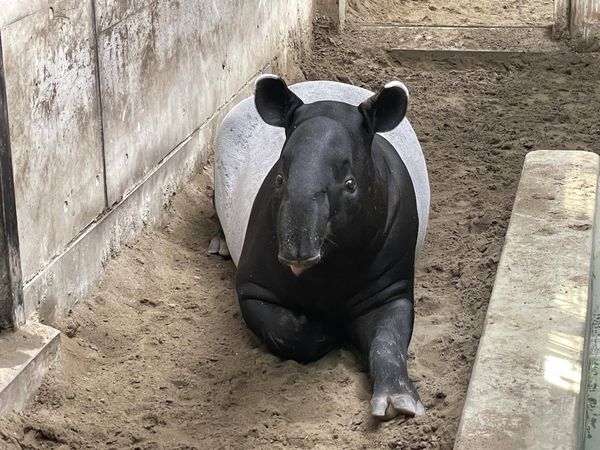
(100, 104)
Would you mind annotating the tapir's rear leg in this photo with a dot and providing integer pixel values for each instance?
(217, 244)
(383, 335)
(287, 334)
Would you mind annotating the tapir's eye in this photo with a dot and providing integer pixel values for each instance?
(350, 185)
(279, 180)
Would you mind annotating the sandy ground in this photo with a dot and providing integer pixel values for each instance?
(454, 12)
(157, 357)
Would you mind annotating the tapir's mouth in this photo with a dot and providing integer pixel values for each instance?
(299, 266)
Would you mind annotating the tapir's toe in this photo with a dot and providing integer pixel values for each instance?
(379, 406)
(218, 245)
(213, 247)
(420, 409)
(224, 249)
(386, 407)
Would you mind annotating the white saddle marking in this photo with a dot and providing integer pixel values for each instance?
(247, 148)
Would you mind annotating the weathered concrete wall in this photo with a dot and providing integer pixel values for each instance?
(114, 103)
(167, 66)
(578, 20)
(335, 10)
(585, 24)
(54, 127)
(562, 9)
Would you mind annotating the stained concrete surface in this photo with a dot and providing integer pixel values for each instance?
(71, 275)
(89, 123)
(54, 128)
(167, 67)
(153, 90)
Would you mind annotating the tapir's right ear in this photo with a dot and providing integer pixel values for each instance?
(386, 109)
(274, 101)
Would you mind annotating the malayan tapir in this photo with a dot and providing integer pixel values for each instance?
(322, 192)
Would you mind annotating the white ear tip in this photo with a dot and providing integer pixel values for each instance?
(264, 76)
(395, 83)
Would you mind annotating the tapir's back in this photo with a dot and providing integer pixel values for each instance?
(247, 148)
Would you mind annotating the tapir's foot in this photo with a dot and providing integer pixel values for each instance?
(213, 247)
(288, 334)
(388, 406)
(384, 334)
(218, 246)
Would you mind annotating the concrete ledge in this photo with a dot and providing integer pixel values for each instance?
(457, 38)
(467, 45)
(456, 55)
(592, 368)
(25, 357)
(525, 389)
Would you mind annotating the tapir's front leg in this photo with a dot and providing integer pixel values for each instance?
(288, 334)
(383, 335)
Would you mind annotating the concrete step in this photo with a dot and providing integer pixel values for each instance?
(526, 386)
(461, 44)
(25, 357)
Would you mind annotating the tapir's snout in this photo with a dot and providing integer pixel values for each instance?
(301, 230)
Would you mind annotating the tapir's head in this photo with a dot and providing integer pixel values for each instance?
(325, 178)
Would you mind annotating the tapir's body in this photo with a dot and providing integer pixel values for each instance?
(303, 298)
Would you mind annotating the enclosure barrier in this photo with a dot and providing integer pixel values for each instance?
(106, 108)
(529, 377)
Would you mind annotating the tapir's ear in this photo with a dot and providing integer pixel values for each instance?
(386, 109)
(274, 101)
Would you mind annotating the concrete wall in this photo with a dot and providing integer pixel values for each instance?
(113, 104)
(585, 24)
(335, 10)
(578, 20)
(562, 9)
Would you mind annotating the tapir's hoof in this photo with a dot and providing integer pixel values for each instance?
(218, 246)
(224, 250)
(386, 407)
(213, 247)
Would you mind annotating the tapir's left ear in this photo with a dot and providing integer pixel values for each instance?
(386, 109)
(274, 101)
